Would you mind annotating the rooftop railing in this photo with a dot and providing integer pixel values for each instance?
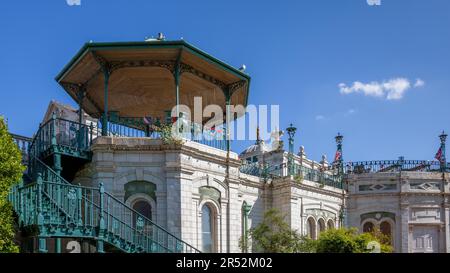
(326, 177)
(134, 127)
(380, 166)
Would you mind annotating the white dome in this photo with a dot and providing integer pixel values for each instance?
(255, 148)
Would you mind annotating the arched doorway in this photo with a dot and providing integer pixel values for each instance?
(311, 228)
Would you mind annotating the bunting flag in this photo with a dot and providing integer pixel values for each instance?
(338, 156)
(438, 155)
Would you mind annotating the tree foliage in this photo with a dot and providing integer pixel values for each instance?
(273, 235)
(350, 241)
(11, 171)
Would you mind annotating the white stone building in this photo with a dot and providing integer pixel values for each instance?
(207, 196)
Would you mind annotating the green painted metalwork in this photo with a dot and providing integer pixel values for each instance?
(64, 137)
(58, 209)
(132, 127)
(324, 177)
(320, 176)
(443, 161)
(51, 207)
(245, 212)
(291, 130)
(340, 161)
(380, 166)
(182, 45)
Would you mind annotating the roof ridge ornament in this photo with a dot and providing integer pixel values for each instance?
(161, 37)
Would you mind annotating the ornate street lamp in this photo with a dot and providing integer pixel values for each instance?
(443, 137)
(291, 130)
(443, 161)
(338, 158)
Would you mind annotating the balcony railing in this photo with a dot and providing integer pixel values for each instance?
(380, 166)
(24, 144)
(326, 177)
(69, 137)
(134, 127)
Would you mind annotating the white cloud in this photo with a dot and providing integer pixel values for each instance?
(419, 83)
(350, 112)
(320, 117)
(394, 89)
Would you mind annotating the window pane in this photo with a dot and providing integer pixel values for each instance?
(207, 229)
(368, 227)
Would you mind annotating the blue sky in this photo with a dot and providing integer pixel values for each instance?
(297, 52)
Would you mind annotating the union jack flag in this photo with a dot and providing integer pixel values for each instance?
(438, 155)
(338, 156)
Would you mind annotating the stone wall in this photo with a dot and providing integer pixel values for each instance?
(414, 203)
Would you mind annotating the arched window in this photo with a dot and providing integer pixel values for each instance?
(368, 227)
(386, 229)
(144, 208)
(321, 225)
(330, 224)
(311, 228)
(207, 229)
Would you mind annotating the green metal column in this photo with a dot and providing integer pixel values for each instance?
(101, 224)
(443, 161)
(42, 246)
(177, 92)
(106, 75)
(58, 245)
(245, 211)
(56, 155)
(291, 130)
(228, 120)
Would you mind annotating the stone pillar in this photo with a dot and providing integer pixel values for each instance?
(405, 229)
(234, 218)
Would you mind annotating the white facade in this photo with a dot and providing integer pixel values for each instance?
(414, 204)
(179, 184)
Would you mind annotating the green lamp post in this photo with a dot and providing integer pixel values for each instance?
(291, 130)
(443, 161)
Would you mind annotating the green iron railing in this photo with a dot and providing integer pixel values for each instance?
(379, 166)
(24, 144)
(73, 138)
(134, 127)
(324, 177)
(61, 209)
(63, 136)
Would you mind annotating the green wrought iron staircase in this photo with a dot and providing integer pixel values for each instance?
(48, 206)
